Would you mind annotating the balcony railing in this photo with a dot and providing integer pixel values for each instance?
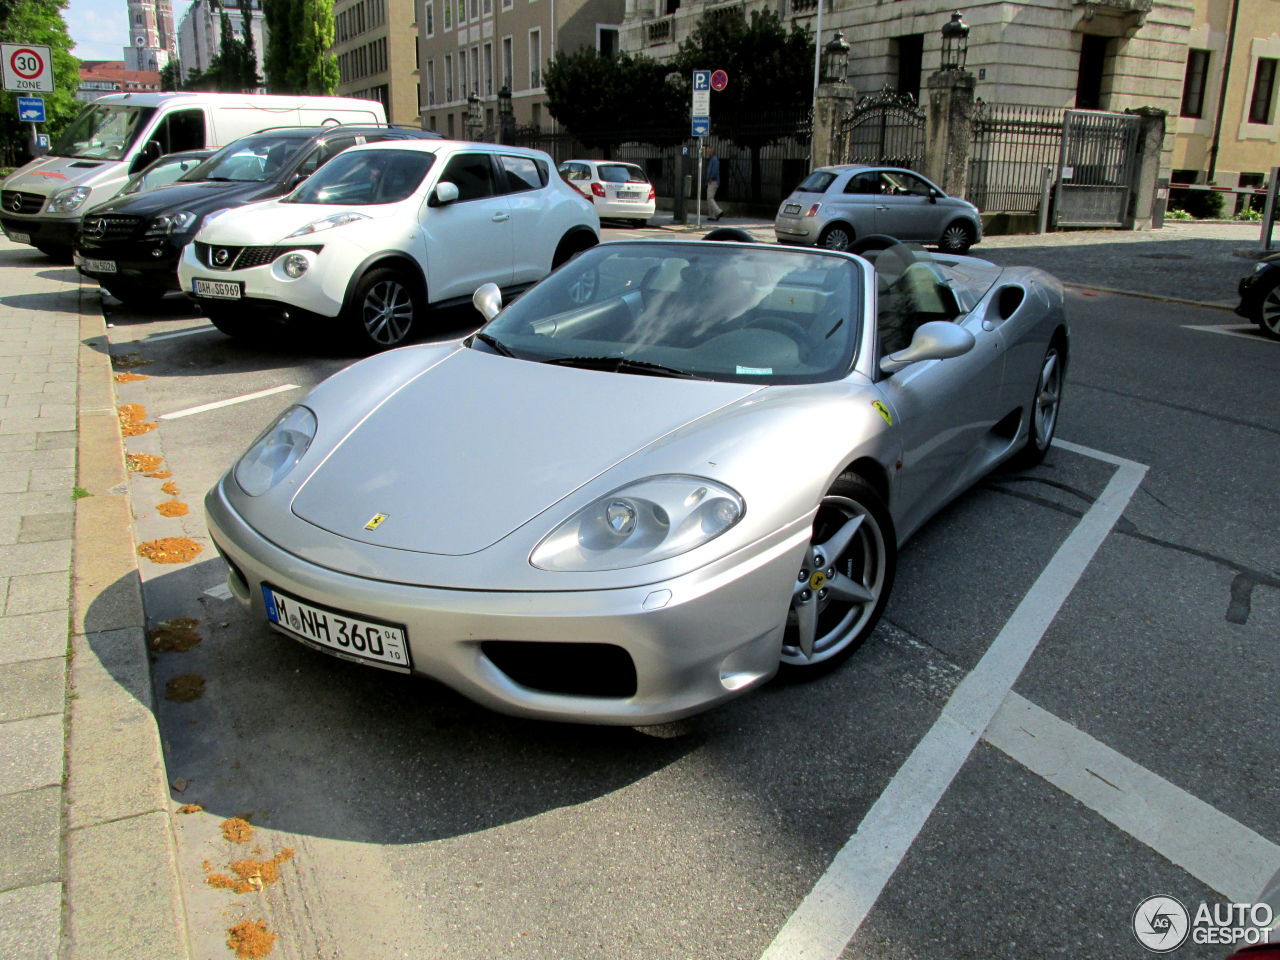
(659, 31)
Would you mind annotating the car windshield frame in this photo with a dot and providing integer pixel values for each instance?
(730, 313)
(348, 179)
(97, 119)
(215, 167)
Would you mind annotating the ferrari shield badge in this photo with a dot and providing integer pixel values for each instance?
(375, 521)
(883, 411)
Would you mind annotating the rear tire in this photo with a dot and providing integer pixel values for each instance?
(383, 310)
(837, 236)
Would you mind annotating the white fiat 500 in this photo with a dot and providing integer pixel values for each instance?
(381, 233)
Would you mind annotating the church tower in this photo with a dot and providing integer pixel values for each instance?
(152, 40)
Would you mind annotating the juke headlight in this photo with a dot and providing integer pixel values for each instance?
(328, 223)
(650, 520)
(64, 201)
(169, 223)
(276, 451)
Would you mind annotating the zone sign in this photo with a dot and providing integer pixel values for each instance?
(27, 66)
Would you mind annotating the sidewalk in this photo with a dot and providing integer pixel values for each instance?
(86, 858)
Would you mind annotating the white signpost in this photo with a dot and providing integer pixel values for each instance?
(27, 67)
(700, 117)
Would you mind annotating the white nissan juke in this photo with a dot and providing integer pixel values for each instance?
(383, 232)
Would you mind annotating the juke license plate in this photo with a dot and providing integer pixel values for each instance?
(218, 289)
(346, 635)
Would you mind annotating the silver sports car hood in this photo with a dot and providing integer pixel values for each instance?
(454, 468)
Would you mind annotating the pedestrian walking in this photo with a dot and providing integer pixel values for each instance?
(713, 182)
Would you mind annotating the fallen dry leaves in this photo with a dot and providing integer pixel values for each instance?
(170, 488)
(172, 508)
(132, 420)
(190, 808)
(249, 874)
(251, 939)
(129, 377)
(184, 688)
(174, 636)
(143, 462)
(169, 549)
(237, 830)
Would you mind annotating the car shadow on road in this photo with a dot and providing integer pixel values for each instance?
(306, 743)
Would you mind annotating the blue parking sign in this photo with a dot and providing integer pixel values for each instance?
(701, 126)
(31, 109)
(702, 79)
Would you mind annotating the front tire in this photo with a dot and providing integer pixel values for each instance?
(1045, 404)
(957, 238)
(1268, 314)
(383, 310)
(844, 581)
(836, 237)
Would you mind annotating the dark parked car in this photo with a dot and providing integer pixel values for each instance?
(1260, 296)
(165, 170)
(131, 244)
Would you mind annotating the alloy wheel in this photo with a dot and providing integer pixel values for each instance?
(387, 312)
(1269, 313)
(1048, 399)
(836, 238)
(956, 239)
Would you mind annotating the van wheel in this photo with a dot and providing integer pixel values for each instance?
(383, 310)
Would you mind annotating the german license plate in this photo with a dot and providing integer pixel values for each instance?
(18, 237)
(345, 634)
(95, 266)
(628, 194)
(218, 289)
(791, 208)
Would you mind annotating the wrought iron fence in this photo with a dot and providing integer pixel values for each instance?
(1012, 144)
(885, 128)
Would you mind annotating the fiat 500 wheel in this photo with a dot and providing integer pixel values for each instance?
(836, 237)
(843, 584)
(957, 238)
(383, 310)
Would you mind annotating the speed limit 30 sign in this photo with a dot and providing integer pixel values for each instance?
(27, 66)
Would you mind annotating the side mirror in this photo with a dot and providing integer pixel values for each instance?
(445, 192)
(487, 298)
(936, 340)
(149, 152)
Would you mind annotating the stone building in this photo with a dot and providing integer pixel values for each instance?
(376, 43)
(200, 34)
(101, 77)
(479, 46)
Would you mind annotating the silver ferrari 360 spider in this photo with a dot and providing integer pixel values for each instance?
(668, 471)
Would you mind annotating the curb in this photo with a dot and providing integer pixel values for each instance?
(122, 889)
(1151, 296)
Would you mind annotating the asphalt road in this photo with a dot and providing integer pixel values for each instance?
(423, 826)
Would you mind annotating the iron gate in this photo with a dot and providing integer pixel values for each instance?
(887, 128)
(1096, 169)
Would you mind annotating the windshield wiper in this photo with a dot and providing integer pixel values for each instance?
(623, 365)
(497, 344)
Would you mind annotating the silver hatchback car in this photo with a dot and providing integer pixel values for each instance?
(834, 206)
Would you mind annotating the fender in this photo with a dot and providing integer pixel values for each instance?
(399, 257)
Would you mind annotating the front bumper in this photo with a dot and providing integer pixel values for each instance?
(43, 232)
(148, 263)
(695, 641)
(267, 288)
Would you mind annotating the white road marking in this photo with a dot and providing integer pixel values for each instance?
(1245, 331)
(1223, 854)
(205, 328)
(831, 914)
(220, 592)
(205, 407)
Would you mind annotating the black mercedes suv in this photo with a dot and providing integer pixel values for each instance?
(131, 244)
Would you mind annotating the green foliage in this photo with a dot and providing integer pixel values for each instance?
(39, 22)
(1249, 214)
(234, 69)
(300, 33)
(171, 77)
(605, 101)
(1199, 204)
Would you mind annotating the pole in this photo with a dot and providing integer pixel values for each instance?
(1046, 181)
(697, 187)
(1270, 211)
(817, 50)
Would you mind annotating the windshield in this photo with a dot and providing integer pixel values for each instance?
(621, 173)
(103, 132)
(165, 170)
(707, 310)
(365, 177)
(250, 159)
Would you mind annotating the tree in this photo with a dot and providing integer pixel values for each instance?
(171, 76)
(300, 33)
(770, 76)
(38, 22)
(596, 97)
(250, 79)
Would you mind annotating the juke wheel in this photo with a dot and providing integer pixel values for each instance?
(843, 583)
(383, 311)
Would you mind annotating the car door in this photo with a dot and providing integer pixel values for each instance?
(906, 207)
(468, 241)
(525, 180)
(945, 408)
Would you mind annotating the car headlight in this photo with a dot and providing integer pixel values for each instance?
(64, 201)
(1259, 267)
(276, 451)
(168, 223)
(337, 220)
(295, 265)
(644, 522)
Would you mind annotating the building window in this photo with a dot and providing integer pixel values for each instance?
(463, 87)
(449, 124)
(909, 52)
(431, 83)
(429, 18)
(475, 70)
(1264, 83)
(448, 79)
(488, 8)
(607, 41)
(475, 9)
(488, 69)
(447, 7)
(462, 12)
(1193, 83)
(1093, 63)
(508, 63)
(535, 58)
(507, 4)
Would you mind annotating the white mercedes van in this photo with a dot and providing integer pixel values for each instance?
(119, 134)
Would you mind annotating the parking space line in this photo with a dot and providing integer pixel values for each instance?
(205, 407)
(1245, 331)
(1223, 854)
(203, 328)
(831, 914)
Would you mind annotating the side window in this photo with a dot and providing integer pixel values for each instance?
(324, 153)
(181, 130)
(863, 183)
(522, 173)
(904, 185)
(472, 174)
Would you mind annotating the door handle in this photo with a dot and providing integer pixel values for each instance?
(881, 206)
(501, 217)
